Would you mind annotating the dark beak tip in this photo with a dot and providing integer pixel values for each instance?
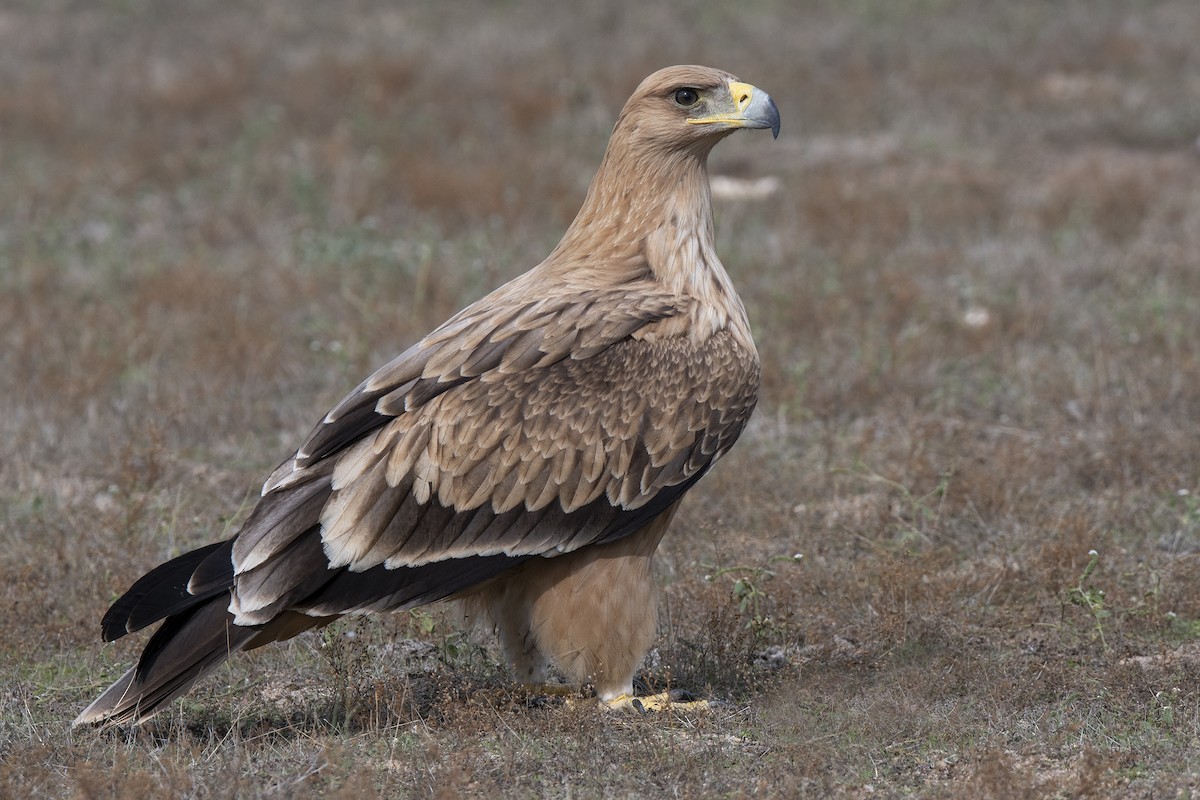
(773, 118)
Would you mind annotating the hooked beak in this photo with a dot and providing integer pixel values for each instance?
(750, 107)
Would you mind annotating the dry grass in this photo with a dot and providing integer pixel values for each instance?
(975, 294)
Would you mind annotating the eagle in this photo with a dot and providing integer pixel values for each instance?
(525, 457)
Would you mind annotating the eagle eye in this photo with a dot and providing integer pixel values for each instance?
(686, 97)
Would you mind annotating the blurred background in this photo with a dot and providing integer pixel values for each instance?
(972, 263)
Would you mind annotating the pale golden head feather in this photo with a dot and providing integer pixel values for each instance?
(652, 190)
(681, 112)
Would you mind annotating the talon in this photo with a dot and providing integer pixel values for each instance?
(665, 701)
(622, 702)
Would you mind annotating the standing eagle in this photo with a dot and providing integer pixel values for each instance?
(525, 457)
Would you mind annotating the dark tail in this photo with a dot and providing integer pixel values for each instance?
(171, 588)
(191, 595)
(187, 647)
(196, 637)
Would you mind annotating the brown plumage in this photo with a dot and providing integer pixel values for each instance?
(526, 456)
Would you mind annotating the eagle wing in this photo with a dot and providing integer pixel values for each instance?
(522, 427)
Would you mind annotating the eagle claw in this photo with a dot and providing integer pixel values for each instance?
(675, 700)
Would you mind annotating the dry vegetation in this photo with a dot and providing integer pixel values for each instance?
(976, 292)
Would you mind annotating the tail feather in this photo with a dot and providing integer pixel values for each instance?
(187, 647)
(214, 572)
(192, 595)
(163, 591)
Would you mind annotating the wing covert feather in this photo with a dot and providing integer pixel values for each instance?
(553, 440)
(502, 334)
(551, 430)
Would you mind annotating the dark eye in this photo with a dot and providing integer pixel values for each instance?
(686, 97)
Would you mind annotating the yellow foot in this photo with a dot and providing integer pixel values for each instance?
(665, 701)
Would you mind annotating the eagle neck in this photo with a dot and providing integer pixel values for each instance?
(658, 204)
